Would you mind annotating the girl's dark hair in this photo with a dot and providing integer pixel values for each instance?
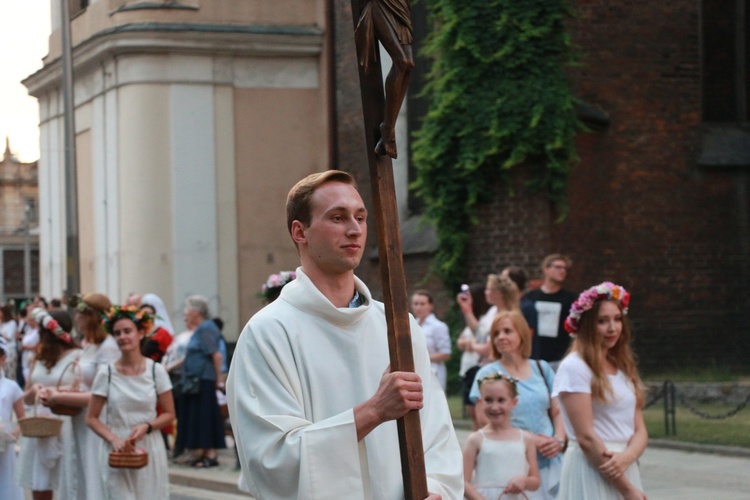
(50, 346)
(479, 302)
(7, 312)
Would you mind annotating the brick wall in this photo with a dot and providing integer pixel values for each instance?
(642, 212)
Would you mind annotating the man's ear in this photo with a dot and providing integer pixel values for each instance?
(298, 233)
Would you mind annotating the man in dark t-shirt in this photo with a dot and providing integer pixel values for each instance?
(546, 308)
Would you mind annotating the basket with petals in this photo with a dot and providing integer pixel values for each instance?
(39, 426)
(130, 457)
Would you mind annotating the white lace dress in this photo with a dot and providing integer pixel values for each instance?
(131, 400)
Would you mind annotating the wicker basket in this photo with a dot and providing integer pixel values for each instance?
(129, 458)
(39, 426)
(65, 409)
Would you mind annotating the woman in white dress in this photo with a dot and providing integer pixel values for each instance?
(9, 330)
(11, 400)
(50, 464)
(99, 348)
(29, 342)
(132, 386)
(602, 400)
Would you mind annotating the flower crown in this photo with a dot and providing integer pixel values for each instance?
(141, 317)
(585, 301)
(50, 324)
(275, 282)
(498, 376)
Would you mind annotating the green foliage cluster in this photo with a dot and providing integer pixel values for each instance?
(499, 98)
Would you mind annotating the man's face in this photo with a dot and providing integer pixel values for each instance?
(334, 241)
(420, 306)
(556, 271)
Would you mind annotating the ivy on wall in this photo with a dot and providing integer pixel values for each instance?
(499, 98)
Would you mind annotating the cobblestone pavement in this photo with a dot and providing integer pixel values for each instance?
(667, 474)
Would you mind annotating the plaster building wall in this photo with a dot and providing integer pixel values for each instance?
(189, 121)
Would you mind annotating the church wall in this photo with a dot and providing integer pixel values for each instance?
(272, 155)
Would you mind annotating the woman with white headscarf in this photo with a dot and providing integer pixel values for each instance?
(160, 337)
(161, 318)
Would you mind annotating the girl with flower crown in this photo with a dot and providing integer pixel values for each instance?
(499, 458)
(131, 387)
(52, 463)
(536, 412)
(602, 400)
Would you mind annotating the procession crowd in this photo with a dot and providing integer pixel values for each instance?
(536, 388)
(96, 395)
(549, 380)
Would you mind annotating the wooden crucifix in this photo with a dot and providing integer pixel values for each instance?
(388, 21)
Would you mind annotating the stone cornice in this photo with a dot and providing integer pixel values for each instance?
(182, 38)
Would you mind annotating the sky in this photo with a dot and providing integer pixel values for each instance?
(24, 32)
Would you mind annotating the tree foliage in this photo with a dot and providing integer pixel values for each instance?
(499, 99)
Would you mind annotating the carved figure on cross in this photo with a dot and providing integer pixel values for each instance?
(387, 21)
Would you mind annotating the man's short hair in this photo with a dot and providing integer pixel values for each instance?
(298, 201)
(424, 293)
(548, 260)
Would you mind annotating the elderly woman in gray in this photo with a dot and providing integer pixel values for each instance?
(200, 427)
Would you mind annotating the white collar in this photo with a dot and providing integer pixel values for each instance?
(304, 295)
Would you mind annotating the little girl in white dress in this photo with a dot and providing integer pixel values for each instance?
(499, 460)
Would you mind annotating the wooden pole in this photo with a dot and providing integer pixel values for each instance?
(392, 272)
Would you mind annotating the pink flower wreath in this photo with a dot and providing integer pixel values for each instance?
(585, 301)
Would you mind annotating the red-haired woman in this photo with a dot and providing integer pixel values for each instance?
(51, 464)
(99, 349)
(600, 391)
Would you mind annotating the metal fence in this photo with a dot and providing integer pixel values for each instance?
(670, 396)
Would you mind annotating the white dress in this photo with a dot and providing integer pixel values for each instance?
(30, 339)
(10, 392)
(614, 424)
(51, 463)
(8, 330)
(498, 462)
(87, 443)
(131, 400)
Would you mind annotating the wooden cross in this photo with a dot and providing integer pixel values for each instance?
(380, 116)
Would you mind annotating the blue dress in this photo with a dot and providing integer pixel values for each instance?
(531, 414)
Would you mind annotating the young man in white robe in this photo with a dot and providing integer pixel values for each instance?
(312, 404)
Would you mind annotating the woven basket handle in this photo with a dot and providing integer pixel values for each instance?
(76, 375)
(36, 401)
(128, 447)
